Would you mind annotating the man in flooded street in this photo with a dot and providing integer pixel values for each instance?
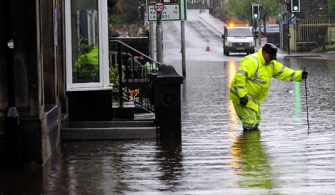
(251, 83)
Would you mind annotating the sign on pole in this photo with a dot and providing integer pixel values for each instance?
(172, 10)
(159, 7)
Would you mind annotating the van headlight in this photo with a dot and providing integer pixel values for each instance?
(252, 43)
(229, 43)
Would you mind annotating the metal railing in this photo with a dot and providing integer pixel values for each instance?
(131, 80)
(309, 29)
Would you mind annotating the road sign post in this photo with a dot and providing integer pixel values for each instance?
(170, 10)
(159, 6)
(159, 37)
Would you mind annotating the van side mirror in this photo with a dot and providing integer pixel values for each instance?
(223, 37)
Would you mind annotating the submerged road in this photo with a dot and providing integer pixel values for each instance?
(214, 155)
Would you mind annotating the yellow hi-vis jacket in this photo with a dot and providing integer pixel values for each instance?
(253, 79)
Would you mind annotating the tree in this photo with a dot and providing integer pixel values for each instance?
(242, 9)
(329, 6)
(130, 11)
(269, 9)
(331, 11)
(125, 11)
(114, 15)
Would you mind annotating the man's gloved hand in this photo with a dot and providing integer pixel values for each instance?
(244, 100)
(304, 74)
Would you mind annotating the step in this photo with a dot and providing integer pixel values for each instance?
(112, 133)
(110, 124)
(105, 130)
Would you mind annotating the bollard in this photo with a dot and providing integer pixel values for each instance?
(167, 102)
(13, 126)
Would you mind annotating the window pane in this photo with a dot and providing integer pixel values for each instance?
(85, 41)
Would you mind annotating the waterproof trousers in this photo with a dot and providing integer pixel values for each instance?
(249, 117)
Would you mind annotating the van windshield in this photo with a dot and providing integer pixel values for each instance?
(239, 32)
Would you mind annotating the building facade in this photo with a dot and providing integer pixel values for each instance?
(32, 77)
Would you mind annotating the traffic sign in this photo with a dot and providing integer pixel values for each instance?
(159, 6)
(171, 10)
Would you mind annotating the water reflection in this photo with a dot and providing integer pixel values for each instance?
(170, 163)
(234, 120)
(250, 162)
(117, 167)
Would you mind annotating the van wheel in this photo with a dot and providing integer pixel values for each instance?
(226, 52)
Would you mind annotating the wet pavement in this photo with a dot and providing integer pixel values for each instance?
(214, 155)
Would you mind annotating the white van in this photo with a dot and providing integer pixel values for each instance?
(238, 40)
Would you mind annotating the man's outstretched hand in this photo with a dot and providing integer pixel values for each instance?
(304, 74)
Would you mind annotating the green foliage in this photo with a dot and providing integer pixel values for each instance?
(130, 11)
(124, 11)
(218, 11)
(92, 57)
(114, 77)
(242, 9)
(114, 17)
(327, 48)
(331, 11)
(329, 6)
(87, 65)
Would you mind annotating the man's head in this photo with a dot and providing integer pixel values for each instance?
(269, 52)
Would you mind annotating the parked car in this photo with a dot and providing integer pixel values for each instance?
(120, 33)
(270, 28)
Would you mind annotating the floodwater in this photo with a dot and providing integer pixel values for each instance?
(214, 156)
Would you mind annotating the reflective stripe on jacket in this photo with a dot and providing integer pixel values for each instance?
(253, 78)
